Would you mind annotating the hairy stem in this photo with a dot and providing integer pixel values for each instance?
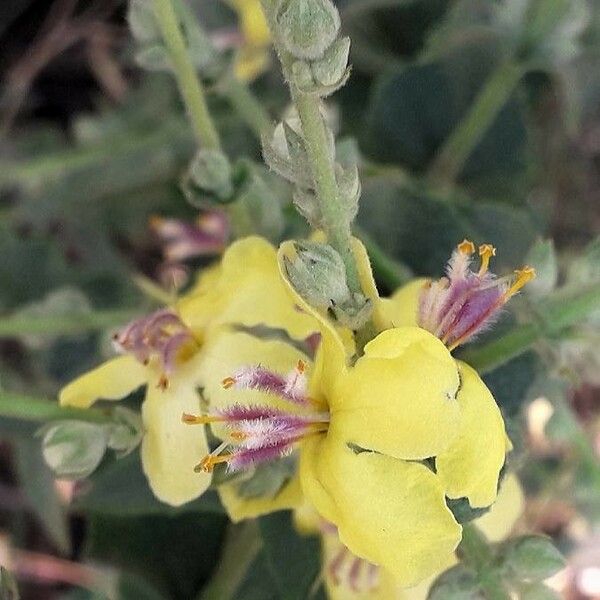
(26, 408)
(455, 151)
(190, 87)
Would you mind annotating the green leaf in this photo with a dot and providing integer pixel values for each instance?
(458, 583)
(174, 554)
(120, 488)
(542, 257)
(294, 560)
(259, 583)
(537, 591)
(532, 558)
(37, 482)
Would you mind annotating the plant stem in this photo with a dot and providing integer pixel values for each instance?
(242, 544)
(63, 324)
(190, 87)
(26, 408)
(322, 163)
(556, 314)
(455, 151)
(246, 105)
(477, 554)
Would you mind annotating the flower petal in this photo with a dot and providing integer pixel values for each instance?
(499, 521)
(471, 464)
(399, 399)
(388, 511)
(400, 310)
(170, 448)
(246, 290)
(239, 508)
(112, 380)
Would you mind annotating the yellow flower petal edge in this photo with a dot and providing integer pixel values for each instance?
(246, 290)
(239, 508)
(112, 380)
(388, 511)
(500, 520)
(400, 309)
(400, 397)
(171, 449)
(471, 464)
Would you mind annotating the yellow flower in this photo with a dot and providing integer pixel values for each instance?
(253, 56)
(348, 577)
(167, 353)
(405, 400)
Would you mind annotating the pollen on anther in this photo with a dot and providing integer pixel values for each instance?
(228, 382)
(466, 247)
(524, 275)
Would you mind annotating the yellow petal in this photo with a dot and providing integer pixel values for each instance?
(112, 380)
(400, 310)
(170, 448)
(225, 353)
(330, 361)
(250, 63)
(252, 22)
(239, 508)
(247, 290)
(497, 524)
(388, 511)
(399, 399)
(471, 465)
(306, 518)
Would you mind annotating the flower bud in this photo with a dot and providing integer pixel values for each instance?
(307, 27)
(458, 583)
(333, 67)
(532, 558)
(73, 449)
(319, 275)
(306, 203)
(210, 170)
(126, 434)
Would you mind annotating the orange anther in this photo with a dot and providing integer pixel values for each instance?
(228, 382)
(466, 247)
(207, 464)
(301, 366)
(524, 275)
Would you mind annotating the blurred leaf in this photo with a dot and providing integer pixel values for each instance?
(176, 554)
(421, 229)
(542, 256)
(120, 488)
(37, 482)
(532, 558)
(537, 591)
(457, 583)
(294, 560)
(259, 583)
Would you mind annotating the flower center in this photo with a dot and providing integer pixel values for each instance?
(161, 335)
(259, 434)
(460, 305)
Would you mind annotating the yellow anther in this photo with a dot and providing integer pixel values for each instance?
(228, 382)
(301, 366)
(524, 275)
(238, 436)
(486, 251)
(207, 464)
(466, 247)
(200, 419)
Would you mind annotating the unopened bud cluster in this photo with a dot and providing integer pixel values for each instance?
(308, 31)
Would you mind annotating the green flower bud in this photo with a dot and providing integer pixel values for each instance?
(142, 21)
(319, 275)
(306, 203)
(73, 449)
(126, 434)
(302, 76)
(333, 67)
(532, 558)
(458, 583)
(307, 27)
(210, 170)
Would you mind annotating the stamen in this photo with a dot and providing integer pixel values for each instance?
(163, 383)
(486, 251)
(466, 247)
(207, 464)
(228, 382)
(524, 275)
(201, 419)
